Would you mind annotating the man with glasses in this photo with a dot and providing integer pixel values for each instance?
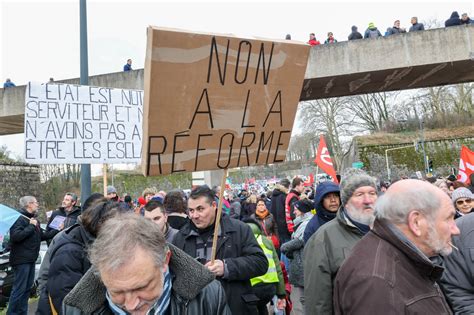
(326, 250)
(25, 239)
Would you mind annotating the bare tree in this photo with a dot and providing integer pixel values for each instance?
(332, 118)
(373, 110)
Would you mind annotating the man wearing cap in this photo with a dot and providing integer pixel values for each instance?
(112, 193)
(463, 201)
(389, 271)
(326, 203)
(63, 217)
(326, 250)
(294, 251)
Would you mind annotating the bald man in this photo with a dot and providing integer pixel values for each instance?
(389, 271)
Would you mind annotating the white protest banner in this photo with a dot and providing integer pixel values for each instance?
(67, 123)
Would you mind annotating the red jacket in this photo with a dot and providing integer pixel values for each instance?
(314, 42)
(291, 198)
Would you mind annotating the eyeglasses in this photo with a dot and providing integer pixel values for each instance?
(461, 202)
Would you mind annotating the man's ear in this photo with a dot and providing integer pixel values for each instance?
(415, 222)
(167, 260)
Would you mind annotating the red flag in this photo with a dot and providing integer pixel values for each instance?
(324, 161)
(310, 181)
(466, 165)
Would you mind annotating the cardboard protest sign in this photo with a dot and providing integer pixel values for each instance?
(218, 101)
(67, 123)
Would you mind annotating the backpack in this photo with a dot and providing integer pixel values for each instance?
(373, 33)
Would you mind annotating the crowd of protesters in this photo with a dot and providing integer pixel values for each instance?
(373, 32)
(358, 247)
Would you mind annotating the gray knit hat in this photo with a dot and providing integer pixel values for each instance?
(461, 192)
(353, 179)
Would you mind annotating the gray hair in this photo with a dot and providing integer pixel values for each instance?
(395, 207)
(25, 200)
(120, 236)
(440, 182)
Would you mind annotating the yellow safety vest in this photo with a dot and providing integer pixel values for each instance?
(271, 276)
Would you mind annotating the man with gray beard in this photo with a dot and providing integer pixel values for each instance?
(326, 250)
(389, 271)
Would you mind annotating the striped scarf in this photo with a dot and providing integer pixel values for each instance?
(158, 308)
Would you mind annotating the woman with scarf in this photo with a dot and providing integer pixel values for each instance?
(267, 223)
(294, 250)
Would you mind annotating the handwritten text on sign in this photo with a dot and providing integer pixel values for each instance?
(82, 124)
(216, 102)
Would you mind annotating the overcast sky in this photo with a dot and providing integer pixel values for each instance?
(40, 39)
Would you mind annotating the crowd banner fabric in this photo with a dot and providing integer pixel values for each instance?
(218, 101)
(66, 123)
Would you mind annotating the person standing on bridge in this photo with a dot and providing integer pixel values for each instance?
(8, 83)
(396, 29)
(453, 20)
(128, 65)
(354, 34)
(330, 39)
(372, 31)
(415, 26)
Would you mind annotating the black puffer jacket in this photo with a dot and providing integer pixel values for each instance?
(68, 262)
(243, 257)
(25, 239)
(194, 291)
(278, 211)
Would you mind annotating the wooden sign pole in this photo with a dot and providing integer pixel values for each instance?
(218, 217)
(104, 173)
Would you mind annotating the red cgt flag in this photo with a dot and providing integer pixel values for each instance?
(466, 165)
(324, 161)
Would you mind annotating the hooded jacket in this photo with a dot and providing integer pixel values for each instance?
(278, 211)
(453, 20)
(193, 290)
(387, 274)
(324, 253)
(322, 215)
(355, 34)
(458, 277)
(372, 33)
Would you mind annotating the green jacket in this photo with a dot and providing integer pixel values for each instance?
(324, 253)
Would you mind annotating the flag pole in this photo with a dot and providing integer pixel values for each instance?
(218, 217)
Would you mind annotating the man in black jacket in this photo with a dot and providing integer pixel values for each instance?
(239, 258)
(134, 271)
(64, 217)
(25, 238)
(278, 209)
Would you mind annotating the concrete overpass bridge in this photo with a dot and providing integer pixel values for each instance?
(398, 62)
